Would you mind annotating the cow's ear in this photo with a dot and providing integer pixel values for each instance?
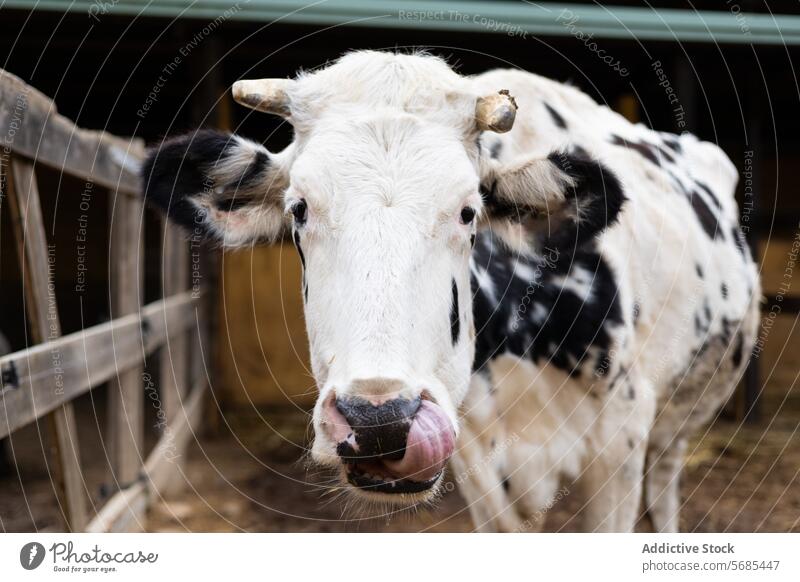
(562, 200)
(217, 185)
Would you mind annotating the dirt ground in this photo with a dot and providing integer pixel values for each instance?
(738, 478)
(251, 475)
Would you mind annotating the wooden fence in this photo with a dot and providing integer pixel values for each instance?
(43, 380)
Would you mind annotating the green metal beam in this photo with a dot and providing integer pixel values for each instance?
(499, 17)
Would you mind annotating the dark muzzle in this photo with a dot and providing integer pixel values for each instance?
(380, 431)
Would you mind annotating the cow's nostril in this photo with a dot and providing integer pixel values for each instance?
(381, 429)
(361, 413)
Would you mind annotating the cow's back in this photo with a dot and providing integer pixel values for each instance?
(687, 286)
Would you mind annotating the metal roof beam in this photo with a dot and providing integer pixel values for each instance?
(498, 17)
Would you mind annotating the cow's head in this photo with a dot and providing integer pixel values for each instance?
(381, 191)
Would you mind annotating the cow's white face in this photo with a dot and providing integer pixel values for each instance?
(380, 190)
(383, 209)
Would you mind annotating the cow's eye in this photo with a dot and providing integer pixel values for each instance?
(467, 214)
(300, 212)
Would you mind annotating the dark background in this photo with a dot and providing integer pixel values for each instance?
(100, 74)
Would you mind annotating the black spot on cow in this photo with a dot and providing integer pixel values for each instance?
(637, 312)
(738, 350)
(489, 339)
(620, 375)
(672, 143)
(580, 151)
(495, 149)
(597, 197)
(506, 483)
(296, 240)
(711, 196)
(698, 324)
(455, 319)
(723, 288)
(631, 444)
(728, 325)
(708, 220)
(643, 148)
(631, 395)
(702, 321)
(557, 118)
(472, 240)
(665, 154)
(573, 328)
(740, 242)
(699, 270)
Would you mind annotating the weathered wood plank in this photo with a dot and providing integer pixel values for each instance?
(88, 358)
(34, 129)
(125, 428)
(36, 260)
(174, 381)
(126, 509)
(175, 355)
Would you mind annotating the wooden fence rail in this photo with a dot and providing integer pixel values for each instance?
(44, 379)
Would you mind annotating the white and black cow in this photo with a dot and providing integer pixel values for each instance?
(569, 300)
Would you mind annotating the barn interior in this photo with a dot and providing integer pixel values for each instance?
(725, 73)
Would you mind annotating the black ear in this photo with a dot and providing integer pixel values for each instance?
(217, 185)
(564, 200)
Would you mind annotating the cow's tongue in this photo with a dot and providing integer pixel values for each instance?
(430, 443)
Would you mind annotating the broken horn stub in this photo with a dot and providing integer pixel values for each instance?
(496, 112)
(267, 95)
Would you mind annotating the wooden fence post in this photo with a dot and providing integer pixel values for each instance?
(35, 383)
(174, 362)
(175, 378)
(126, 391)
(42, 312)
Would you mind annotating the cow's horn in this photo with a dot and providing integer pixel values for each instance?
(268, 95)
(496, 112)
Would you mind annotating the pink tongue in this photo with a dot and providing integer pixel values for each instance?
(430, 443)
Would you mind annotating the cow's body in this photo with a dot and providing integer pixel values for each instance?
(613, 296)
(596, 367)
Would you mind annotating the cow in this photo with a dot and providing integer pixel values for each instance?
(500, 276)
